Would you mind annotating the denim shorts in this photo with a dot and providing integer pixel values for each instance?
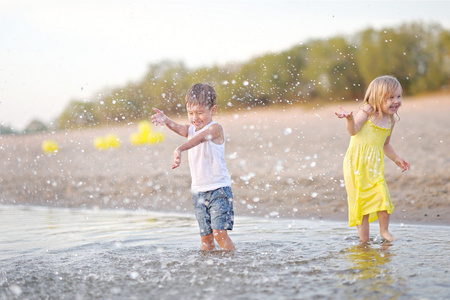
(214, 210)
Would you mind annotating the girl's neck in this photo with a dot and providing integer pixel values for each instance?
(381, 119)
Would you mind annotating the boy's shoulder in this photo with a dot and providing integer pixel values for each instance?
(215, 123)
(216, 127)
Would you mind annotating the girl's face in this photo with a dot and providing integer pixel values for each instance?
(200, 115)
(391, 105)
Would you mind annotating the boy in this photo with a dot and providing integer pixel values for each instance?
(211, 183)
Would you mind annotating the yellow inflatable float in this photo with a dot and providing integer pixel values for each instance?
(108, 142)
(49, 147)
(145, 135)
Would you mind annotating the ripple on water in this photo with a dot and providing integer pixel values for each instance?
(73, 253)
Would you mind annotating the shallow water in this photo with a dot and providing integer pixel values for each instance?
(55, 253)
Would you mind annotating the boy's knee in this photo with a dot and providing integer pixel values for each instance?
(220, 233)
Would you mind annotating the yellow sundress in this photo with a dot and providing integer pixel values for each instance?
(367, 192)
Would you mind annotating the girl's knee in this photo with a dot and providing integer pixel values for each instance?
(382, 214)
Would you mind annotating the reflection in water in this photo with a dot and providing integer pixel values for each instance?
(369, 262)
(370, 269)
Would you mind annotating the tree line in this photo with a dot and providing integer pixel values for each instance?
(315, 72)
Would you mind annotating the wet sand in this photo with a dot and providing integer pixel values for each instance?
(283, 163)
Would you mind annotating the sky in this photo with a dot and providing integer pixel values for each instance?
(53, 52)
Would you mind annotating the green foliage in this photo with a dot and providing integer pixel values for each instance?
(319, 71)
(413, 53)
(6, 129)
(35, 126)
(79, 114)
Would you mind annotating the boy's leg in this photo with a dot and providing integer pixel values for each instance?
(383, 219)
(204, 221)
(222, 216)
(208, 242)
(363, 229)
(223, 240)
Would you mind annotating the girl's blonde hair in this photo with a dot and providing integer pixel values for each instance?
(201, 94)
(380, 89)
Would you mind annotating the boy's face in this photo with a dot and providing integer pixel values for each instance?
(200, 115)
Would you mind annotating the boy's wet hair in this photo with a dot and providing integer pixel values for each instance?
(201, 94)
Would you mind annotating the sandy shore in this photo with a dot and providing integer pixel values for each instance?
(283, 164)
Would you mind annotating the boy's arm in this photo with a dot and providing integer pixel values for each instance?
(213, 133)
(354, 124)
(390, 152)
(159, 118)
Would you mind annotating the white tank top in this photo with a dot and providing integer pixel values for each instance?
(207, 164)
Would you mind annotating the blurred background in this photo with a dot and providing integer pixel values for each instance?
(67, 64)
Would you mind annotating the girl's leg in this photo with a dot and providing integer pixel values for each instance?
(363, 229)
(383, 219)
(223, 240)
(208, 242)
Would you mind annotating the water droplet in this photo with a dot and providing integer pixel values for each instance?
(134, 275)
(287, 131)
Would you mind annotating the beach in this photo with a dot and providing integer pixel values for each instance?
(284, 163)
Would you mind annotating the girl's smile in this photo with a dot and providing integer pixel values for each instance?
(391, 105)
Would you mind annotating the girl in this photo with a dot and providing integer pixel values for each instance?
(371, 130)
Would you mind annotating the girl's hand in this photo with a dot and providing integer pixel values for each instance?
(403, 164)
(159, 118)
(343, 113)
(176, 158)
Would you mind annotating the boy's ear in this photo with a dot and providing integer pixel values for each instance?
(214, 109)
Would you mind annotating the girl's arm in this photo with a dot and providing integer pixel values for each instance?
(354, 124)
(213, 133)
(390, 152)
(161, 119)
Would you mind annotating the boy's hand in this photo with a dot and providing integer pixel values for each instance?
(403, 164)
(344, 114)
(159, 118)
(176, 158)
